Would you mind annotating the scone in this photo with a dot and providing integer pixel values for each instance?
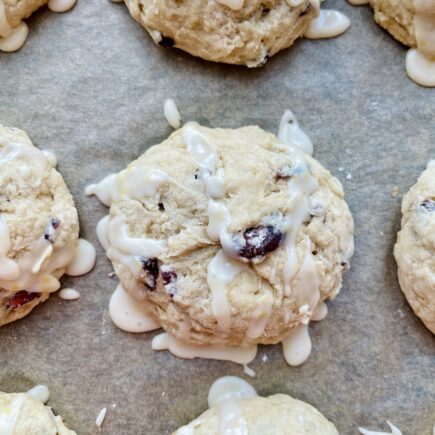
(25, 414)
(227, 236)
(415, 247)
(236, 408)
(412, 22)
(13, 30)
(38, 227)
(245, 32)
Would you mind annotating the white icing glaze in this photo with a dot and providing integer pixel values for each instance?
(394, 431)
(231, 421)
(320, 312)
(420, 68)
(297, 345)
(328, 24)
(260, 315)
(16, 38)
(51, 157)
(221, 271)
(39, 393)
(9, 415)
(100, 418)
(129, 315)
(290, 132)
(240, 355)
(172, 114)
(185, 430)
(5, 27)
(83, 260)
(69, 294)
(105, 190)
(232, 4)
(102, 227)
(60, 5)
(229, 387)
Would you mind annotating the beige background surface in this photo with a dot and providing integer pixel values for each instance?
(90, 85)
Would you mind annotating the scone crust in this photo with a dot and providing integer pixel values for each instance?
(215, 32)
(251, 160)
(18, 10)
(27, 204)
(396, 16)
(279, 414)
(415, 248)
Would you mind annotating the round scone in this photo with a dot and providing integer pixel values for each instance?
(22, 414)
(13, 30)
(38, 225)
(230, 236)
(415, 247)
(236, 408)
(245, 32)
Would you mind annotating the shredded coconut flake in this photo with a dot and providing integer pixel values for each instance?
(100, 418)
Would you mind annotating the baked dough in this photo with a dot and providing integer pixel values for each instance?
(274, 415)
(415, 247)
(38, 225)
(230, 236)
(214, 31)
(20, 414)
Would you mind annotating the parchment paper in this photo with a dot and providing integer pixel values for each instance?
(90, 85)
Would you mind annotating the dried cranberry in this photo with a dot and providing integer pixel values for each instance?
(169, 278)
(259, 241)
(150, 267)
(21, 298)
(50, 229)
(428, 204)
(166, 42)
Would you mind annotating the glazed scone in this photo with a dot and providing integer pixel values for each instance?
(415, 247)
(13, 30)
(38, 226)
(21, 414)
(245, 32)
(229, 236)
(235, 406)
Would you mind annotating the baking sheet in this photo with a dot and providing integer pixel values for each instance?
(90, 85)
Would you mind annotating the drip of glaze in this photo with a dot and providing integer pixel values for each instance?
(290, 132)
(69, 294)
(9, 269)
(328, 24)
(221, 271)
(51, 157)
(320, 312)
(297, 345)
(39, 393)
(420, 68)
(260, 316)
(129, 315)
(83, 260)
(5, 27)
(9, 415)
(235, 5)
(172, 114)
(16, 39)
(182, 349)
(105, 190)
(102, 227)
(394, 431)
(61, 5)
